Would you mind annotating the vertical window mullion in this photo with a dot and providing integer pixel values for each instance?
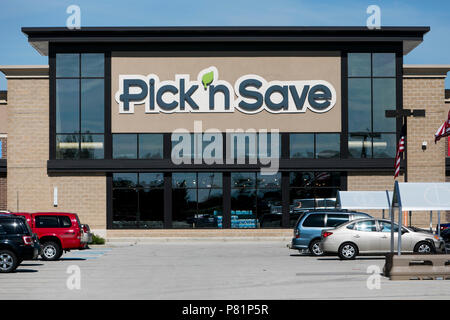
(371, 104)
(79, 106)
(137, 145)
(315, 149)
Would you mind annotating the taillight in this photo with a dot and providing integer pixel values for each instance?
(326, 234)
(85, 229)
(296, 233)
(27, 240)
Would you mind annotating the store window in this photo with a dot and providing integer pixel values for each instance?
(80, 105)
(255, 200)
(248, 145)
(314, 145)
(371, 91)
(312, 190)
(197, 200)
(138, 200)
(138, 146)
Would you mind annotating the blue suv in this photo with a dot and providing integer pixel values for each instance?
(309, 226)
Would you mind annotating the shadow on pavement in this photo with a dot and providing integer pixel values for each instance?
(31, 264)
(357, 258)
(25, 270)
(72, 259)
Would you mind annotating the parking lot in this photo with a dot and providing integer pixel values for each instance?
(208, 270)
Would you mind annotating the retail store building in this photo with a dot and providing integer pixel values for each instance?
(99, 130)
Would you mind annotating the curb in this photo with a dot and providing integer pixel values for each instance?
(143, 240)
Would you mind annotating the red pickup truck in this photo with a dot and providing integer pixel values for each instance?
(57, 232)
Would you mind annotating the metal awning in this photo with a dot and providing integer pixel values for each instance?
(360, 200)
(421, 196)
(418, 196)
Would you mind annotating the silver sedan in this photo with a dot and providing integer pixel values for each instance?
(372, 236)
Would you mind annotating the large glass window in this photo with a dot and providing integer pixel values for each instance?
(124, 146)
(255, 200)
(312, 190)
(371, 91)
(301, 145)
(138, 146)
(138, 200)
(80, 105)
(247, 145)
(150, 146)
(328, 145)
(314, 145)
(197, 200)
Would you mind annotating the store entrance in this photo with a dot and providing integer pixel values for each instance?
(215, 200)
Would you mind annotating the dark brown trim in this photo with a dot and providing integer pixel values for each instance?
(3, 165)
(54, 166)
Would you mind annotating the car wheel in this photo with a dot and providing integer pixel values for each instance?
(314, 248)
(8, 261)
(51, 251)
(348, 251)
(424, 247)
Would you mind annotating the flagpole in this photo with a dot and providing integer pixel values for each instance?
(406, 148)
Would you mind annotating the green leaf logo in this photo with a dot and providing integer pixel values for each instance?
(207, 79)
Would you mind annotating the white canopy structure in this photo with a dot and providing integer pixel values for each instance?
(360, 200)
(357, 200)
(418, 196)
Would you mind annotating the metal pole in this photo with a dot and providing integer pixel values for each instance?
(383, 214)
(405, 121)
(391, 212)
(431, 220)
(410, 218)
(399, 245)
(439, 223)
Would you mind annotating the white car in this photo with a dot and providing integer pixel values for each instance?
(373, 236)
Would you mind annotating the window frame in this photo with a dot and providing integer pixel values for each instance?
(137, 187)
(67, 49)
(398, 56)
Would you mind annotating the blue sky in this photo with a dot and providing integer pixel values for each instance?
(14, 14)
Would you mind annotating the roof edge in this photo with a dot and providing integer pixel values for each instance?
(25, 71)
(437, 70)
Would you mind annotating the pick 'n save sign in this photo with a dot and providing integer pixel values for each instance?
(250, 94)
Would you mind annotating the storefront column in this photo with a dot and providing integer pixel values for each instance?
(285, 199)
(226, 214)
(167, 200)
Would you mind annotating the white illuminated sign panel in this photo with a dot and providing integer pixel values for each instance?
(250, 94)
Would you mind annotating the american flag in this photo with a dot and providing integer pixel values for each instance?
(400, 150)
(443, 130)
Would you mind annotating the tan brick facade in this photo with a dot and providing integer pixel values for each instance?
(30, 188)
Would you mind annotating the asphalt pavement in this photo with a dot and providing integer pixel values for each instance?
(209, 270)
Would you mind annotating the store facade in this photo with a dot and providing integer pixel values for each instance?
(146, 130)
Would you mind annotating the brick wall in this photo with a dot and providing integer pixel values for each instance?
(423, 166)
(371, 181)
(29, 187)
(428, 94)
(428, 165)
